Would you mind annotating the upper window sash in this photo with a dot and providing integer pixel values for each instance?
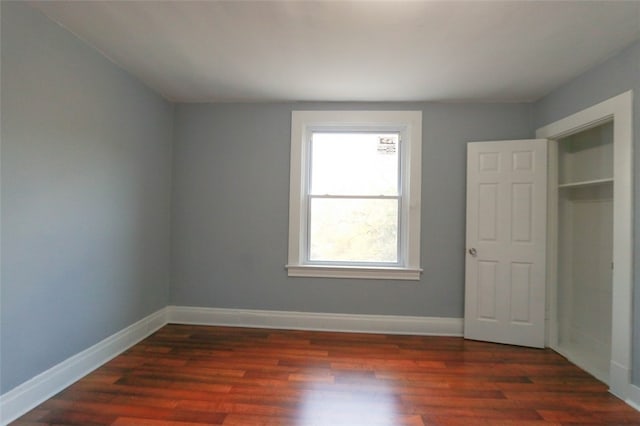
(338, 148)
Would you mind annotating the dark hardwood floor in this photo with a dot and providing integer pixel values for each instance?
(194, 375)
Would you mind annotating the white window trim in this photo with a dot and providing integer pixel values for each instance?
(411, 123)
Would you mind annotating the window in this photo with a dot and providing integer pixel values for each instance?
(355, 194)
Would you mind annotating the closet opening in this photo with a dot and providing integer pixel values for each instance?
(585, 248)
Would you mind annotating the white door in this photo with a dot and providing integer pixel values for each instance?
(506, 242)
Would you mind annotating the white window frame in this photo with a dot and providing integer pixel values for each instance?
(409, 125)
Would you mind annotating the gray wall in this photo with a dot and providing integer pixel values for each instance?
(230, 211)
(86, 178)
(615, 76)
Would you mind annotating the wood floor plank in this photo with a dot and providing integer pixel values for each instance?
(187, 375)
(134, 421)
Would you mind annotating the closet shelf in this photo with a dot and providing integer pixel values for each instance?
(585, 183)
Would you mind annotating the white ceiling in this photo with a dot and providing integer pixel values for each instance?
(205, 51)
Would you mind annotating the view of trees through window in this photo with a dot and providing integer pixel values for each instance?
(354, 197)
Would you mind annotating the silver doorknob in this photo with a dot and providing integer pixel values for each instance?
(473, 252)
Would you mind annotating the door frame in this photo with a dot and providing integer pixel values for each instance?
(619, 110)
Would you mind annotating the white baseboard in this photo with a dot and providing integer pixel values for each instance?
(633, 397)
(29, 394)
(619, 380)
(388, 324)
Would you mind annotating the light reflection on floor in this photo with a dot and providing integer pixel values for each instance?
(324, 407)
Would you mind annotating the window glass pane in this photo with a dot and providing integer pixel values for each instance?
(353, 230)
(354, 163)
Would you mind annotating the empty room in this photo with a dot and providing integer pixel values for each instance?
(319, 212)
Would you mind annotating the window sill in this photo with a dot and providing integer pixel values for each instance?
(362, 272)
